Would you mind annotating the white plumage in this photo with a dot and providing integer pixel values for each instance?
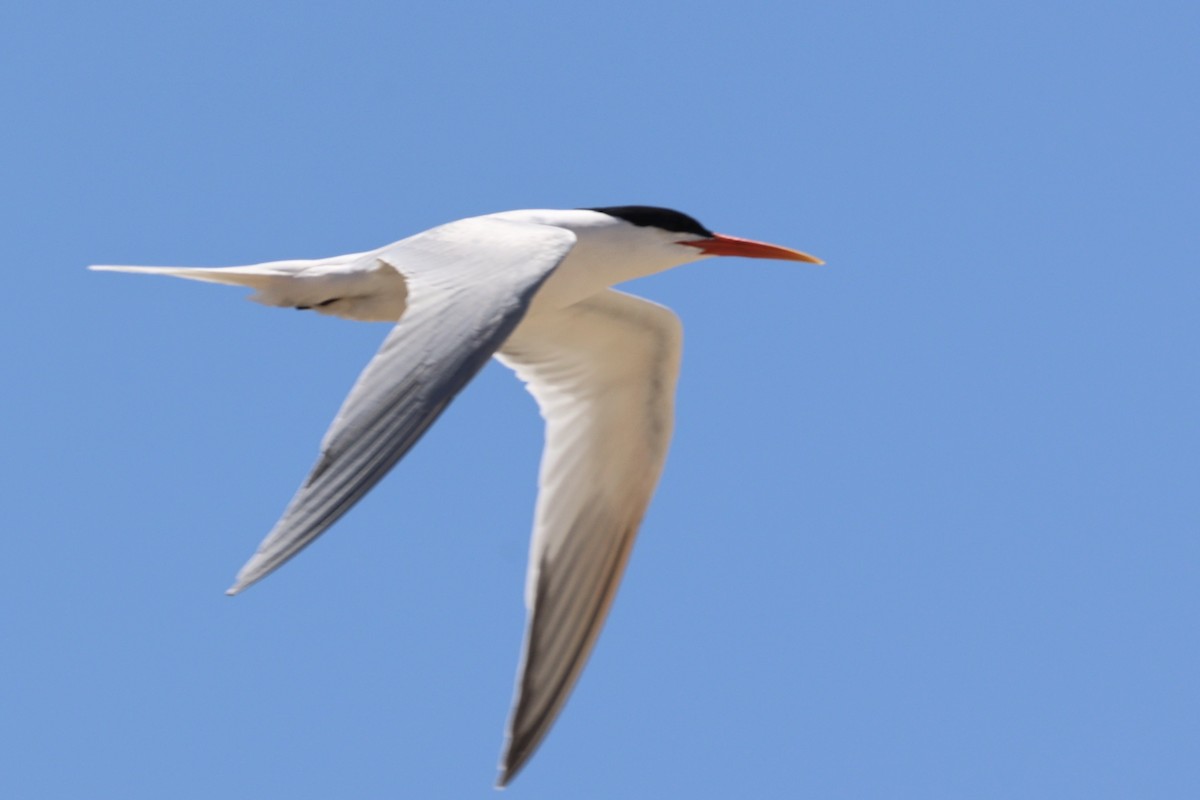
(533, 289)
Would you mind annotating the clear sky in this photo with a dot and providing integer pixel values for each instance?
(929, 527)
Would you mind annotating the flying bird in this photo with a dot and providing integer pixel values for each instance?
(534, 289)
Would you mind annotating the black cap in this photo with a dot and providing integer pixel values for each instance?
(653, 217)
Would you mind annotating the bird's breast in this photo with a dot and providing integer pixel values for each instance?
(588, 270)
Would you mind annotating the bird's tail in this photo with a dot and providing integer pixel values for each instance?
(261, 277)
(356, 286)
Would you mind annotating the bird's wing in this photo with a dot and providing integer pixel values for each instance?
(603, 372)
(469, 283)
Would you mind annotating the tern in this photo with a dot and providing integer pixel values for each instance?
(534, 289)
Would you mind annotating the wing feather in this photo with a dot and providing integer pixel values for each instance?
(603, 372)
(469, 284)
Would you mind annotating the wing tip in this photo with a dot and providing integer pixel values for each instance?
(515, 757)
(507, 773)
(249, 575)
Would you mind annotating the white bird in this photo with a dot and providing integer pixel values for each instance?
(532, 288)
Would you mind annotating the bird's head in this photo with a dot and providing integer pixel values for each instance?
(674, 229)
(615, 244)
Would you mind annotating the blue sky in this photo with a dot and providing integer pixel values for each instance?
(929, 527)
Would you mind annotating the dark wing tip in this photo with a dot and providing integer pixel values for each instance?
(517, 753)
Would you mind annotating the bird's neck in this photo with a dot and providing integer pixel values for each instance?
(599, 262)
